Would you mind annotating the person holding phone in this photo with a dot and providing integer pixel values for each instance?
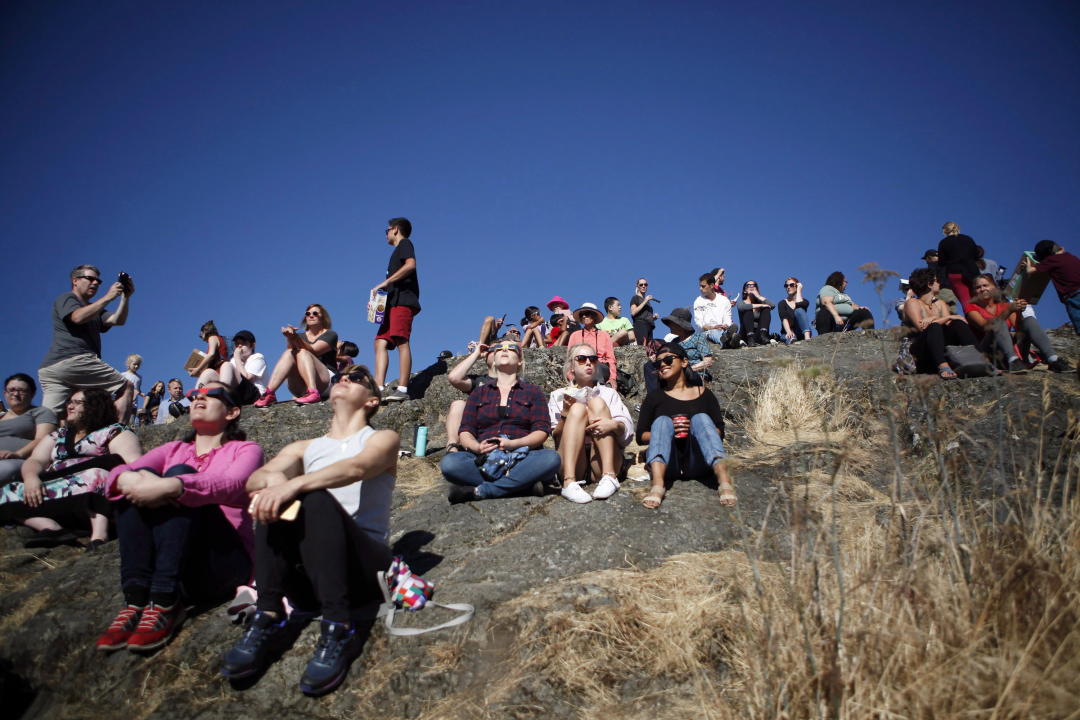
(74, 358)
(755, 314)
(641, 312)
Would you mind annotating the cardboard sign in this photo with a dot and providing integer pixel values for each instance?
(194, 359)
(1026, 286)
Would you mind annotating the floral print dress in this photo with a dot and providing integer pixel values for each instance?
(95, 444)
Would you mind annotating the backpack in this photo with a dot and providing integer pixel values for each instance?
(624, 383)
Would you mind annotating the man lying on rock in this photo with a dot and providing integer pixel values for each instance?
(326, 559)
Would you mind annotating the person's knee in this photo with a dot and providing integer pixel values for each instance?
(577, 411)
(701, 420)
(453, 464)
(596, 404)
(662, 422)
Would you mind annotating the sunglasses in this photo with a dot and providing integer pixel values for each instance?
(582, 359)
(643, 284)
(356, 377)
(504, 346)
(218, 393)
(751, 284)
(790, 285)
(310, 313)
(665, 361)
(91, 278)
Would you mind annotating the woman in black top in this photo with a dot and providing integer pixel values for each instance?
(309, 360)
(641, 312)
(958, 257)
(792, 311)
(681, 423)
(153, 400)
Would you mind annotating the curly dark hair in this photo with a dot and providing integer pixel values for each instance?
(835, 280)
(921, 279)
(99, 410)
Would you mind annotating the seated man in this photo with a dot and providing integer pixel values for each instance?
(712, 313)
(325, 561)
(619, 328)
(346, 353)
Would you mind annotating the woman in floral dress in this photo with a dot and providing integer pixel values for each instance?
(73, 461)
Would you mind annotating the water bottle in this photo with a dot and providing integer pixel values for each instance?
(421, 441)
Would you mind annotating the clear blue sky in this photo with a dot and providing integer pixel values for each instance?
(240, 159)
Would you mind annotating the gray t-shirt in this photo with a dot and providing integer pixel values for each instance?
(19, 430)
(70, 338)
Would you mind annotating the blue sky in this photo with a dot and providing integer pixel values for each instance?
(240, 159)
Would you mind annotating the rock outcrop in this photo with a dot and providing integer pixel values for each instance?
(499, 554)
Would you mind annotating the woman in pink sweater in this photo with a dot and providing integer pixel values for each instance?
(182, 522)
(589, 316)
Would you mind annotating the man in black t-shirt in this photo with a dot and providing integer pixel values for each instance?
(402, 288)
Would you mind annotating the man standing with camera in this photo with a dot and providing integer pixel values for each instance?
(74, 359)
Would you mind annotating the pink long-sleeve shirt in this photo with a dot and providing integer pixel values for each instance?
(222, 474)
(605, 350)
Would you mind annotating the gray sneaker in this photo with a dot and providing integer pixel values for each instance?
(395, 396)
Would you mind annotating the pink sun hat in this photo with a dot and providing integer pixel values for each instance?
(557, 302)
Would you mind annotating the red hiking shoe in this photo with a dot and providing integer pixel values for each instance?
(116, 637)
(156, 627)
(268, 398)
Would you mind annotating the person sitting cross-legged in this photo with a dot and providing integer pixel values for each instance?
(326, 560)
(507, 422)
(681, 422)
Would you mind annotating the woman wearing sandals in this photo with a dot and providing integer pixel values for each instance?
(681, 422)
(934, 323)
(591, 426)
(309, 360)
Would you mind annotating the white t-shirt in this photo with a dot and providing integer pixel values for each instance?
(367, 501)
(712, 312)
(256, 366)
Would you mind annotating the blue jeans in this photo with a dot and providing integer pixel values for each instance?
(698, 457)
(715, 336)
(1072, 306)
(800, 327)
(460, 469)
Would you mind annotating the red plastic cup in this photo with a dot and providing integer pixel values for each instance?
(684, 431)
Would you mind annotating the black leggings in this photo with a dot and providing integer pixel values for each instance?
(826, 324)
(929, 345)
(322, 560)
(752, 320)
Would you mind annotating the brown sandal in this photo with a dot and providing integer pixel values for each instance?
(727, 495)
(654, 498)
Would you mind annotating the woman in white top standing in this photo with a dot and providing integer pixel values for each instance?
(591, 426)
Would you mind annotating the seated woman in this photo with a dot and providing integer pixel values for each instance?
(681, 423)
(153, 402)
(559, 334)
(65, 476)
(182, 521)
(506, 421)
(591, 426)
(589, 316)
(998, 325)
(792, 311)
(936, 327)
(244, 373)
(309, 360)
(22, 426)
(755, 314)
(836, 311)
(216, 352)
(460, 378)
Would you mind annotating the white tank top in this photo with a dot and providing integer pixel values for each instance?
(368, 500)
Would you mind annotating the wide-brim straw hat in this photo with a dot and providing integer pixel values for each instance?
(588, 308)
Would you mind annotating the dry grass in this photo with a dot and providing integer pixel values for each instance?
(931, 608)
(416, 476)
(800, 404)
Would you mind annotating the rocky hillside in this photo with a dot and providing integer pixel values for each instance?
(823, 437)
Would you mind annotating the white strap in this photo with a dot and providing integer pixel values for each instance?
(386, 611)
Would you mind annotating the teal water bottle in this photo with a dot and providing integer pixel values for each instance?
(421, 441)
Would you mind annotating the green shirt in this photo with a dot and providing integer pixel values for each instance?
(613, 325)
(841, 302)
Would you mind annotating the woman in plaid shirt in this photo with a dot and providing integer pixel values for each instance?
(509, 416)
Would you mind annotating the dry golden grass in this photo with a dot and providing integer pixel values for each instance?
(416, 476)
(927, 609)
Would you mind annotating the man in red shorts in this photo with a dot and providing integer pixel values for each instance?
(402, 288)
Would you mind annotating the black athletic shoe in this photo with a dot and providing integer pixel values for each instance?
(337, 647)
(1058, 365)
(248, 656)
(460, 494)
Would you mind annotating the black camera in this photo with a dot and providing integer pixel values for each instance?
(125, 280)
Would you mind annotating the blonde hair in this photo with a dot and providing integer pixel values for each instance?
(568, 366)
(950, 228)
(134, 358)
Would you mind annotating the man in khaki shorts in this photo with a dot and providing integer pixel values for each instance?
(74, 359)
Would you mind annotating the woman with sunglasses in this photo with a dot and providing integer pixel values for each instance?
(510, 416)
(182, 522)
(792, 312)
(65, 475)
(681, 423)
(641, 312)
(309, 360)
(755, 314)
(589, 316)
(591, 426)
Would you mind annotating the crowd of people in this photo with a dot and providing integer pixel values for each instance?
(198, 518)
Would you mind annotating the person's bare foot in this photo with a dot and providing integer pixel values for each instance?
(654, 497)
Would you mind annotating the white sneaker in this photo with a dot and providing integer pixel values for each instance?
(606, 487)
(575, 493)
